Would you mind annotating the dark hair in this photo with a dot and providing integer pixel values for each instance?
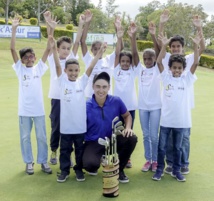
(128, 54)
(103, 75)
(95, 42)
(178, 38)
(149, 51)
(71, 61)
(63, 39)
(25, 50)
(177, 58)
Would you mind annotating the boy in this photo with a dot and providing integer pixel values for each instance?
(103, 64)
(176, 108)
(176, 46)
(31, 107)
(72, 112)
(64, 44)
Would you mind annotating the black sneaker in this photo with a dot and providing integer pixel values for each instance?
(178, 176)
(168, 169)
(185, 170)
(80, 175)
(62, 177)
(123, 178)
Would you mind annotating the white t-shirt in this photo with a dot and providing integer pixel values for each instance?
(72, 105)
(54, 91)
(176, 108)
(189, 62)
(124, 86)
(30, 102)
(105, 64)
(149, 92)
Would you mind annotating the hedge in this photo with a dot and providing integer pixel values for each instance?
(207, 61)
(58, 32)
(142, 44)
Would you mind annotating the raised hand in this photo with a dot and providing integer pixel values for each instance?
(197, 21)
(88, 15)
(117, 22)
(132, 29)
(82, 19)
(164, 40)
(164, 16)
(152, 28)
(53, 21)
(197, 39)
(15, 22)
(103, 47)
(47, 16)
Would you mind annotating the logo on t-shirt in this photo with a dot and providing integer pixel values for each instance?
(68, 91)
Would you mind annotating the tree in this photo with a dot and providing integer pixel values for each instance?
(99, 6)
(110, 8)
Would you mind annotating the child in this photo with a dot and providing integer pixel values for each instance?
(73, 112)
(124, 76)
(176, 108)
(64, 44)
(103, 64)
(31, 107)
(149, 101)
(176, 46)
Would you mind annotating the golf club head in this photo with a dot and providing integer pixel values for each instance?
(119, 123)
(115, 119)
(101, 141)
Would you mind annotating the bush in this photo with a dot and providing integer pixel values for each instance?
(58, 32)
(2, 22)
(142, 45)
(33, 21)
(207, 61)
(69, 26)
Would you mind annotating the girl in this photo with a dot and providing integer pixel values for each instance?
(149, 101)
(124, 76)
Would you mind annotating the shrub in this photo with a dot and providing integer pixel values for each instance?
(2, 22)
(207, 61)
(58, 32)
(69, 26)
(33, 21)
(142, 44)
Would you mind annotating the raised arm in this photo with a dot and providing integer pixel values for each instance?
(46, 52)
(96, 58)
(88, 18)
(79, 34)
(51, 22)
(198, 24)
(162, 53)
(163, 19)
(152, 31)
(15, 24)
(196, 40)
(55, 55)
(120, 33)
(117, 25)
(132, 31)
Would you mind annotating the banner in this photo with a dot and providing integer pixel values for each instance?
(91, 37)
(21, 31)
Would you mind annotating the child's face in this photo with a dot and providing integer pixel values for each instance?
(176, 69)
(72, 71)
(96, 48)
(148, 60)
(125, 62)
(28, 59)
(64, 50)
(176, 48)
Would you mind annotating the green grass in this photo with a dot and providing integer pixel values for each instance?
(15, 185)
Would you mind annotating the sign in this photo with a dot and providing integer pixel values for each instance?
(21, 31)
(91, 37)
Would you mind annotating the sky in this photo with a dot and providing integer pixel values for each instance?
(131, 7)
